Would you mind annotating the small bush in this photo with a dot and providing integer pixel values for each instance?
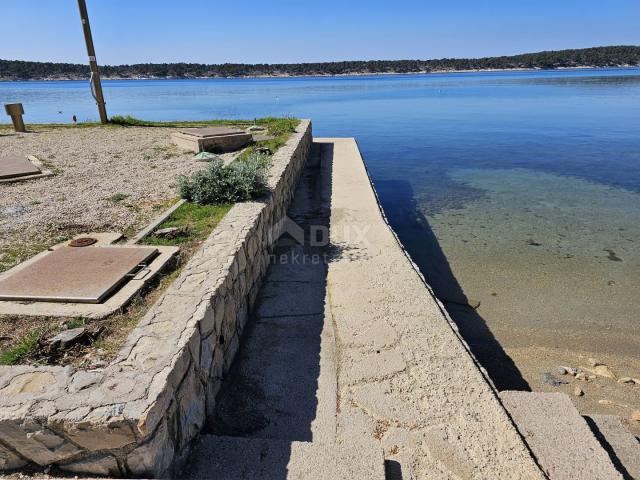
(128, 121)
(220, 183)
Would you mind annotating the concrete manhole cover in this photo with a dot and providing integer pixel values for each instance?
(78, 275)
(14, 166)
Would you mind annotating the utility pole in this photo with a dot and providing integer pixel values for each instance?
(96, 86)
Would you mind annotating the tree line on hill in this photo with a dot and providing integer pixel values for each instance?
(615, 56)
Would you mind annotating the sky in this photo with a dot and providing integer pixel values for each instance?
(293, 31)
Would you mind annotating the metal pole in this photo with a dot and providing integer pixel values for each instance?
(95, 74)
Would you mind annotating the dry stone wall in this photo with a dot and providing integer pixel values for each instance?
(137, 416)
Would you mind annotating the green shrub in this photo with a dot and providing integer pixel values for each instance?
(220, 183)
(128, 121)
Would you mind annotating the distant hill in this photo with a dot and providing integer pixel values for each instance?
(616, 56)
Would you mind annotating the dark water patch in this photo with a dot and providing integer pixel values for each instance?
(417, 236)
(612, 255)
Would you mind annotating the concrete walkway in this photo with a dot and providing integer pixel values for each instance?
(348, 357)
(276, 413)
(405, 377)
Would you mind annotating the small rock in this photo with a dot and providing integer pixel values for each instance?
(569, 370)
(97, 364)
(551, 380)
(67, 338)
(605, 402)
(593, 362)
(636, 416)
(206, 157)
(582, 376)
(562, 371)
(578, 392)
(603, 371)
(169, 232)
(625, 380)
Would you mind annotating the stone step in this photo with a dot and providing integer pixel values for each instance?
(559, 436)
(236, 458)
(622, 446)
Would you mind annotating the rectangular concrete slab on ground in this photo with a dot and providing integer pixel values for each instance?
(618, 441)
(211, 131)
(14, 166)
(72, 274)
(211, 139)
(558, 436)
(233, 458)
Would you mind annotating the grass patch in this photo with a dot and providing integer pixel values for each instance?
(25, 346)
(279, 128)
(196, 222)
(28, 335)
(11, 257)
(275, 126)
(118, 197)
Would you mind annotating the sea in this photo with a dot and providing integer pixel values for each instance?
(516, 193)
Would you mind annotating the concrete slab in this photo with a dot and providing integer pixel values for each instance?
(288, 298)
(272, 390)
(559, 437)
(232, 458)
(211, 131)
(211, 139)
(118, 300)
(72, 274)
(12, 166)
(15, 168)
(621, 445)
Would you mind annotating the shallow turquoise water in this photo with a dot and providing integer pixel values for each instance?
(530, 178)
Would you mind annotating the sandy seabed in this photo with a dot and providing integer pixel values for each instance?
(554, 264)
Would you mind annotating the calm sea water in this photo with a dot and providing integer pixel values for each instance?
(518, 190)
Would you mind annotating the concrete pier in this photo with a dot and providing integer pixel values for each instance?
(355, 355)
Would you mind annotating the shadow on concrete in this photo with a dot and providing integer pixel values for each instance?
(608, 448)
(416, 235)
(271, 392)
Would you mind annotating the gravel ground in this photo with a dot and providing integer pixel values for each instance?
(106, 179)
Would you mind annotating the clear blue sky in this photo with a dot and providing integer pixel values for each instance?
(274, 31)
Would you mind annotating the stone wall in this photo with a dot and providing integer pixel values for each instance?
(137, 416)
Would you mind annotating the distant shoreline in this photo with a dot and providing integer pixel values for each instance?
(351, 74)
(614, 56)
